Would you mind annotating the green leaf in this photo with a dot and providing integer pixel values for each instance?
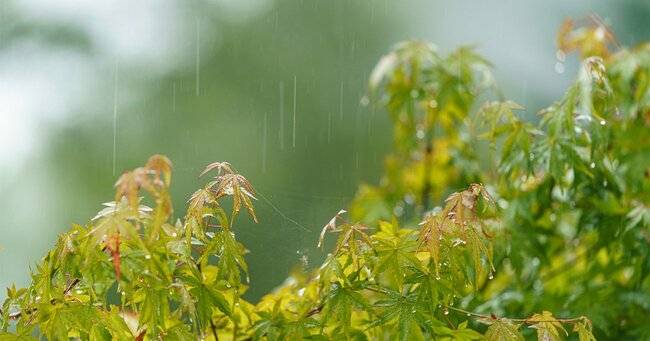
(548, 327)
(462, 333)
(99, 333)
(340, 302)
(583, 328)
(503, 330)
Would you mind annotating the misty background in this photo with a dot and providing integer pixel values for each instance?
(89, 89)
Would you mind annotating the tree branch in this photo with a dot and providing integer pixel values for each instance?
(522, 320)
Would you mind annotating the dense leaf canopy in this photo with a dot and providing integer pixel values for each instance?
(545, 229)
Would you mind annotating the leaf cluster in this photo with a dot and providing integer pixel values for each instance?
(560, 208)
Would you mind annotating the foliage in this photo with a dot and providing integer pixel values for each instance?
(560, 208)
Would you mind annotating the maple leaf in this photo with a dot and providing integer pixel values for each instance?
(548, 327)
(221, 167)
(229, 183)
(162, 169)
(457, 225)
(351, 237)
(584, 330)
(330, 226)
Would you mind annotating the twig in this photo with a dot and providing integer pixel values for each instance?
(214, 330)
(71, 286)
(315, 311)
(66, 291)
(522, 320)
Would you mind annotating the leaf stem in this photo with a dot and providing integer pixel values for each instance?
(214, 330)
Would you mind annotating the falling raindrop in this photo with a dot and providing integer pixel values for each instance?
(264, 142)
(295, 80)
(602, 122)
(329, 126)
(281, 130)
(560, 55)
(592, 165)
(559, 68)
(356, 159)
(115, 115)
(198, 60)
(174, 97)
(341, 102)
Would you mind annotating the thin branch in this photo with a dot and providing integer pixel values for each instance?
(316, 310)
(214, 330)
(66, 291)
(71, 286)
(522, 320)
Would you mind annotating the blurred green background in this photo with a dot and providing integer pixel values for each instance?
(89, 89)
